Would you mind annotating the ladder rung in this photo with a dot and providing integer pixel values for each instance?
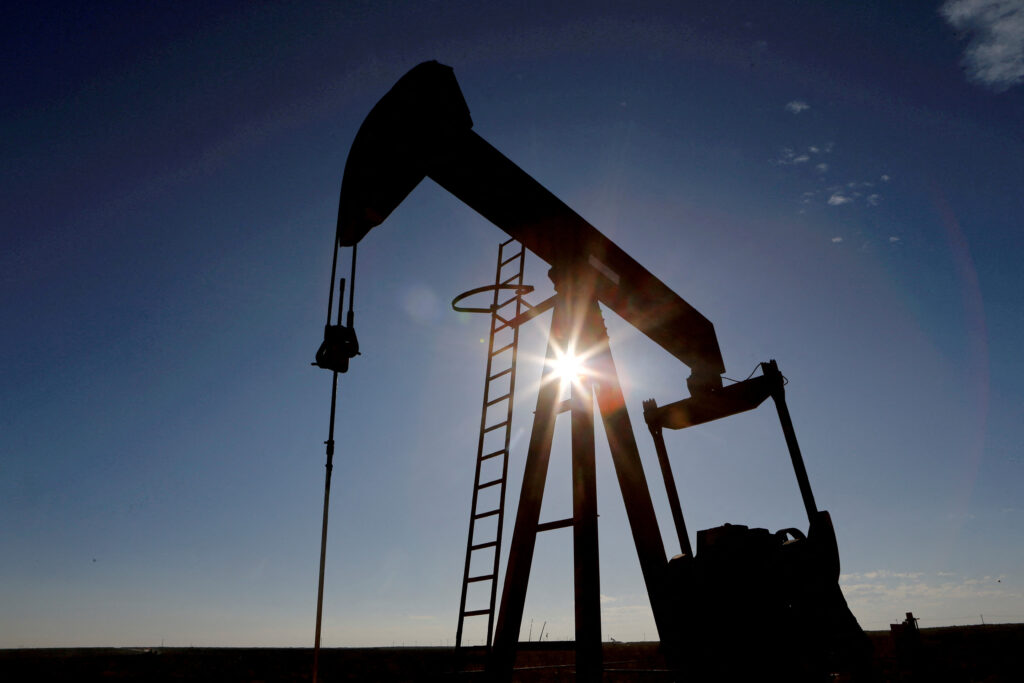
(476, 612)
(565, 406)
(509, 281)
(510, 259)
(503, 372)
(497, 400)
(483, 577)
(481, 546)
(557, 524)
(503, 349)
(510, 240)
(493, 482)
(489, 513)
(496, 426)
(492, 455)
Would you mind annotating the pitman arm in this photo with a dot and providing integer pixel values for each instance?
(422, 128)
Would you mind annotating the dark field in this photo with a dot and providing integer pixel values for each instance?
(987, 654)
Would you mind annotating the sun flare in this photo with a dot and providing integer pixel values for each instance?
(568, 366)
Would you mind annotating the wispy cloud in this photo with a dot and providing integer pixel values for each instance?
(837, 240)
(811, 157)
(797, 106)
(788, 156)
(880, 596)
(995, 52)
(853, 191)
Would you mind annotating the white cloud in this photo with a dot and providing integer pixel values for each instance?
(885, 178)
(822, 168)
(874, 199)
(788, 157)
(893, 239)
(881, 597)
(837, 240)
(995, 53)
(797, 106)
(838, 199)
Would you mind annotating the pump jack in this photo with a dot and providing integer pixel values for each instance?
(801, 626)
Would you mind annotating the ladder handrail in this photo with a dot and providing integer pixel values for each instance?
(498, 323)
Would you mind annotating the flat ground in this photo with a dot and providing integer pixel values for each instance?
(993, 654)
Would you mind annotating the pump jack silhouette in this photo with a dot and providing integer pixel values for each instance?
(797, 623)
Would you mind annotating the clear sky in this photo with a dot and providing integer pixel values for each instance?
(834, 185)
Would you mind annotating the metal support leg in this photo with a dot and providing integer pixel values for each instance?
(771, 370)
(579, 320)
(670, 483)
(524, 534)
(628, 469)
(587, 578)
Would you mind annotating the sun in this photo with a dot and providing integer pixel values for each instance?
(568, 366)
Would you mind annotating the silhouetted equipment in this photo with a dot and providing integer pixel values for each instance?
(906, 641)
(785, 585)
(422, 128)
(499, 396)
(340, 344)
(338, 347)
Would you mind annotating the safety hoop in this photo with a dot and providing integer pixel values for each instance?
(520, 290)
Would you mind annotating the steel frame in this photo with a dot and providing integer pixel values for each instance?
(577, 321)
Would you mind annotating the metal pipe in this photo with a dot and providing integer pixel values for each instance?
(351, 289)
(327, 485)
(330, 294)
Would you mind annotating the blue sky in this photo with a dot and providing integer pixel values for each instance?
(836, 187)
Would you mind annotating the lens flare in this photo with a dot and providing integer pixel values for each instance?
(567, 366)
